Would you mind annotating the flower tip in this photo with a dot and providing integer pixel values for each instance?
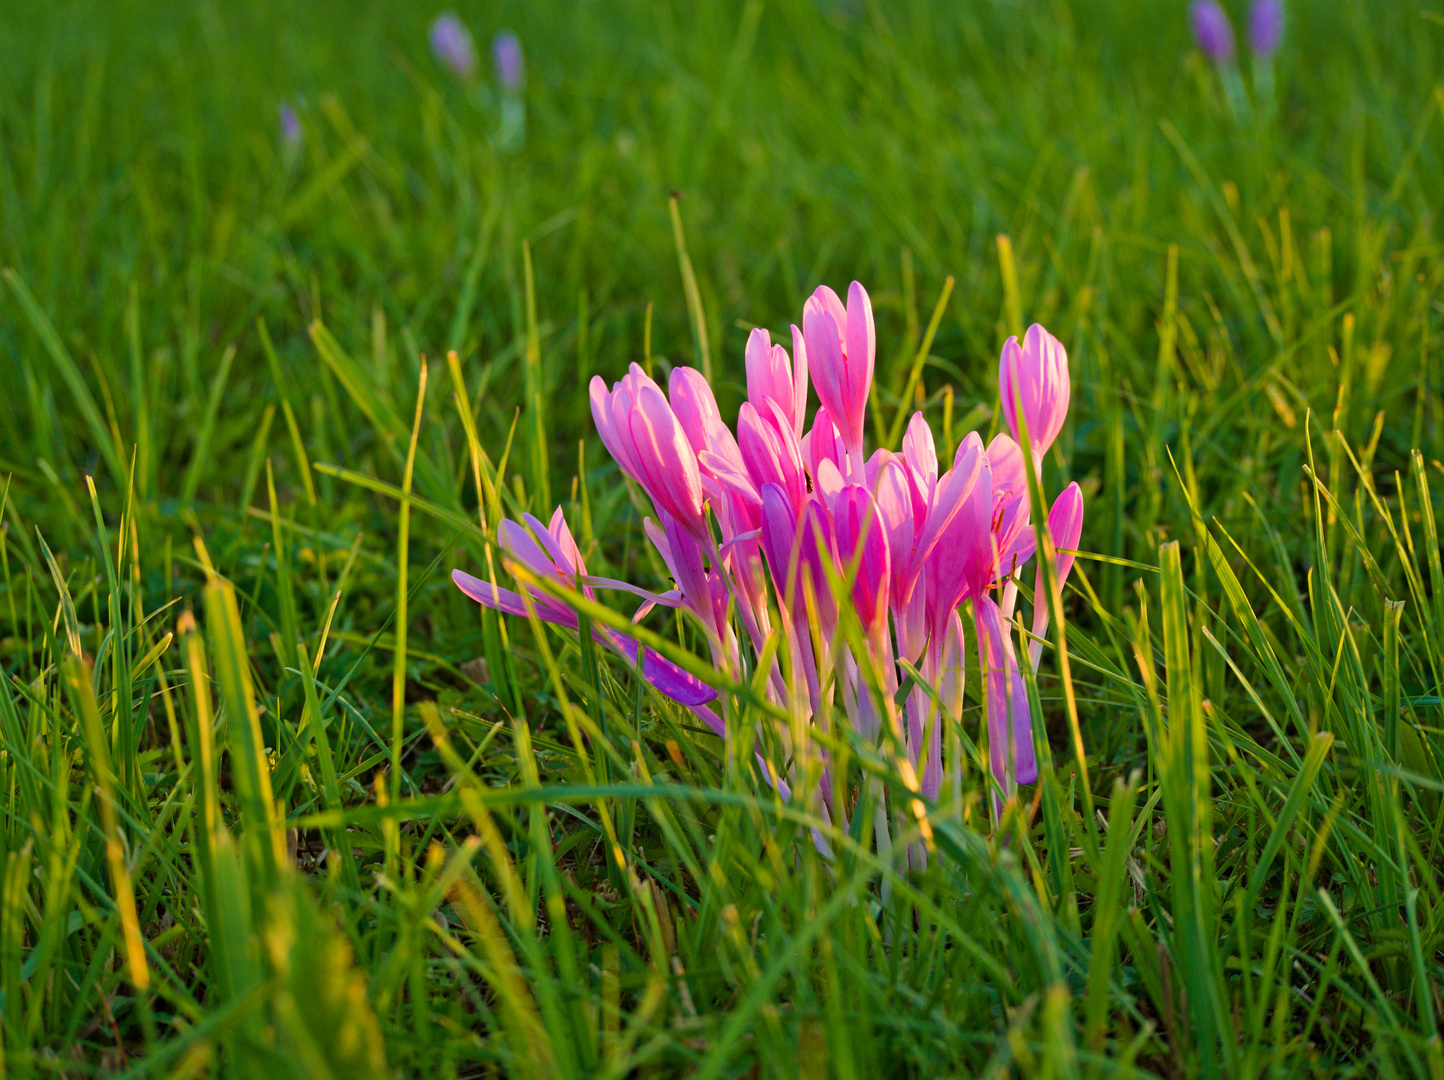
(292, 133)
(1065, 519)
(510, 64)
(452, 44)
(1265, 27)
(1212, 30)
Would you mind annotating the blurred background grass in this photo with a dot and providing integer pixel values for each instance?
(154, 220)
(145, 173)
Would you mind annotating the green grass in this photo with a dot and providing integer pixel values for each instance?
(216, 656)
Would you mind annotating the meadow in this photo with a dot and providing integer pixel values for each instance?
(278, 800)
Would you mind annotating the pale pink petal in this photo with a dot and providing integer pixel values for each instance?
(920, 451)
(799, 379)
(862, 548)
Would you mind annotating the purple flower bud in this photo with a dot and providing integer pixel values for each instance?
(1265, 27)
(1212, 30)
(510, 66)
(451, 42)
(291, 131)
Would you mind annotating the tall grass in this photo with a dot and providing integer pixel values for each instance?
(278, 801)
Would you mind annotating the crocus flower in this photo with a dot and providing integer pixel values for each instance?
(773, 520)
(452, 44)
(1035, 376)
(641, 431)
(841, 349)
(771, 377)
(1212, 30)
(292, 134)
(510, 66)
(1265, 27)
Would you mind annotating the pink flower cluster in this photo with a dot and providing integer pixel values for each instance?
(787, 527)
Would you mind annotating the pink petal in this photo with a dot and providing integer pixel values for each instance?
(696, 410)
(604, 417)
(1006, 697)
(823, 443)
(521, 546)
(668, 463)
(677, 684)
(862, 540)
(861, 347)
(779, 543)
(817, 554)
(920, 452)
(826, 365)
(511, 603)
(828, 481)
(799, 379)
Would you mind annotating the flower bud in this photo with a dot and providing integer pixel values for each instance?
(1212, 30)
(1035, 377)
(510, 66)
(1265, 27)
(452, 44)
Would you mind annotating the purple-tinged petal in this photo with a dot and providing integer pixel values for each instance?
(1212, 30)
(1035, 377)
(862, 548)
(799, 379)
(506, 54)
(1010, 725)
(921, 453)
(511, 603)
(679, 685)
(1065, 527)
(779, 543)
(696, 410)
(817, 556)
(1265, 27)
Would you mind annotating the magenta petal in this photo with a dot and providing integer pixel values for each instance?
(711, 719)
(952, 494)
(825, 363)
(769, 374)
(824, 300)
(521, 546)
(769, 448)
(571, 554)
(1065, 526)
(689, 565)
(779, 542)
(638, 378)
(732, 477)
(861, 346)
(799, 379)
(677, 684)
(828, 482)
(1007, 698)
(823, 443)
(555, 553)
(667, 461)
(696, 410)
(920, 451)
(602, 416)
(894, 496)
(817, 555)
(1034, 377)
(862, 548)
(504, 600)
